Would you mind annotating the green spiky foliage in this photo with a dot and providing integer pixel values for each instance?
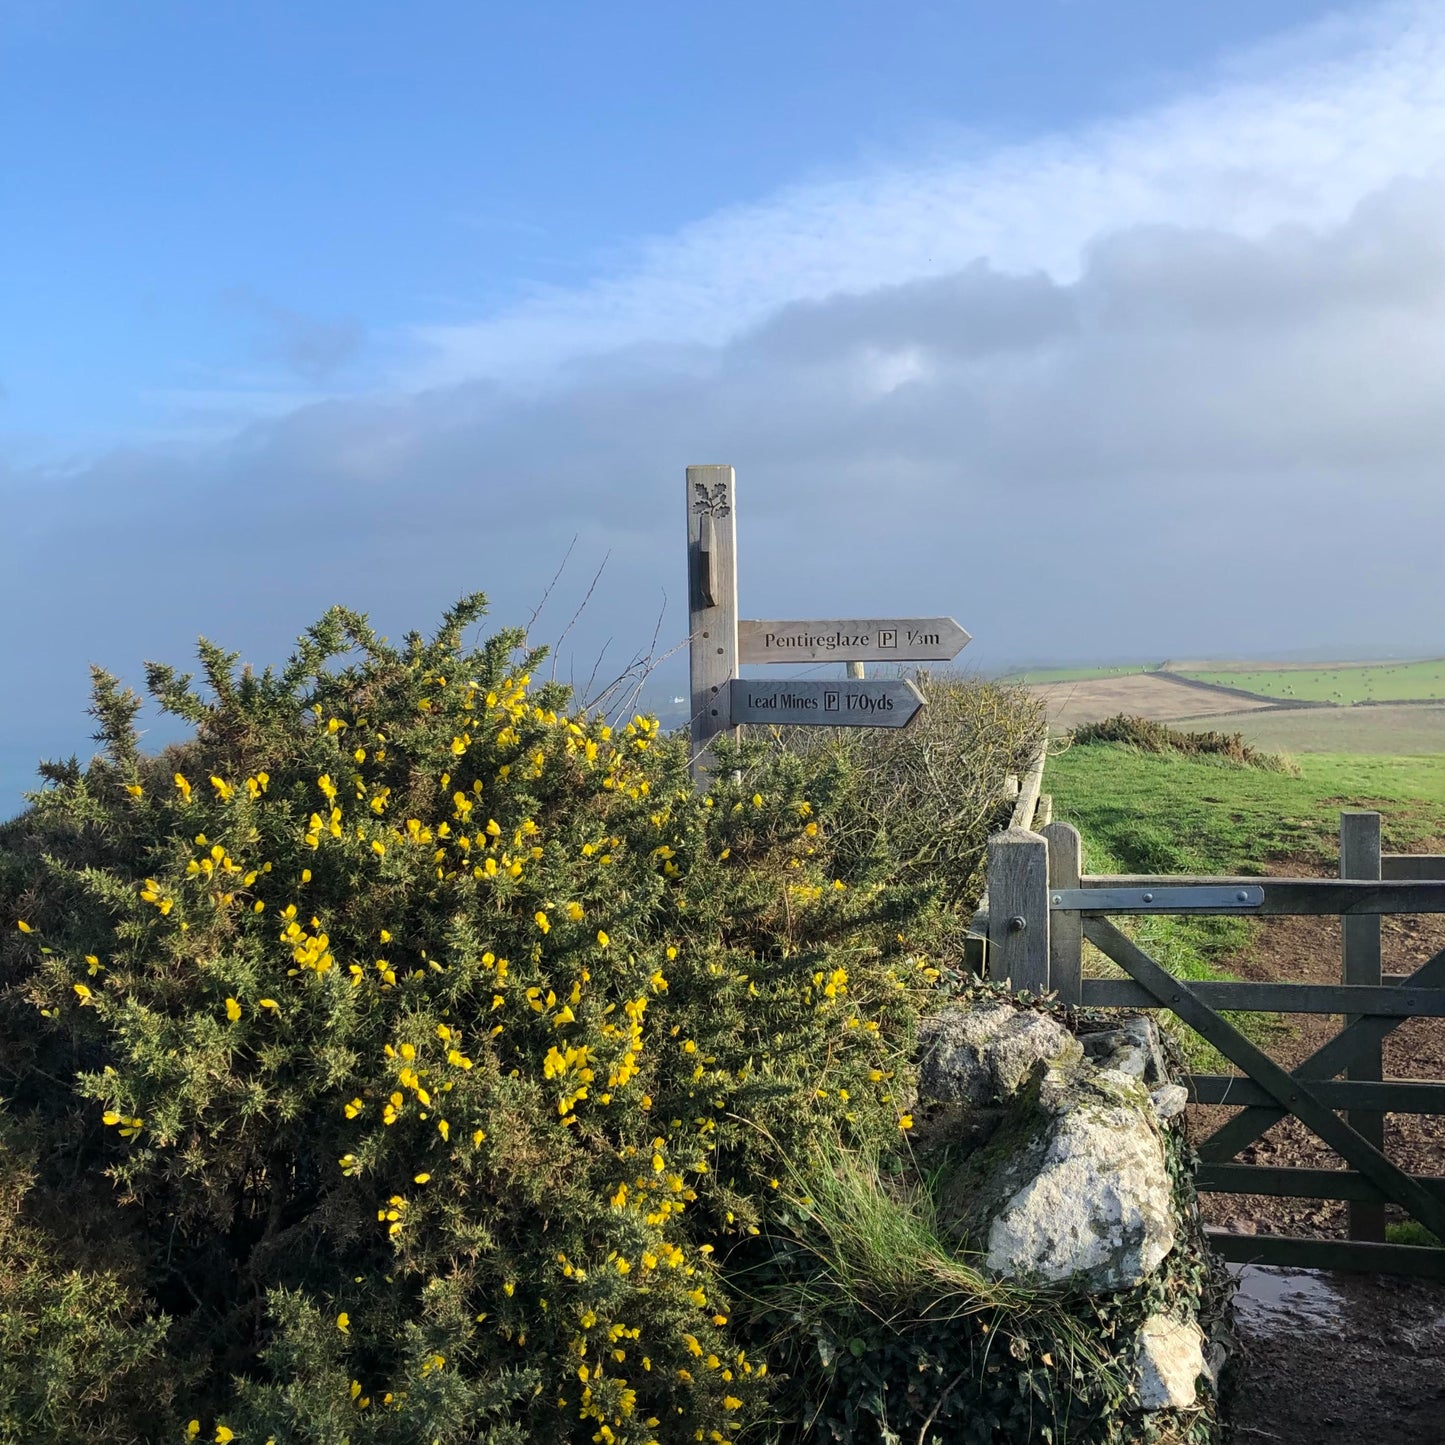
(405, 1054)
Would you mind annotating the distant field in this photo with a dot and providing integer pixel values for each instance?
(1143, 694)
(1341, 682)
(1396, 731)
(1075, 674)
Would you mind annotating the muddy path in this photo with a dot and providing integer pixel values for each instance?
(1334, 1358)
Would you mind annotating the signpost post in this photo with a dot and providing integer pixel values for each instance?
(712, 584)
(719, 642)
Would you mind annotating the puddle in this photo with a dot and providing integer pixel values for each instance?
(1274, 1299)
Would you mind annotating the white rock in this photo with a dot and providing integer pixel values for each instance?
(1019, 1047)
(1169, 1101)
(977, 1055)
(1132, 1048)
(1099, 1210)
(1170, 1360)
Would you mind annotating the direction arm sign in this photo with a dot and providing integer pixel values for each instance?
(890, 703)
(865, 639)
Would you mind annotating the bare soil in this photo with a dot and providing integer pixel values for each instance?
(1370, 1367)
(1337, 1360)
(1150, 695)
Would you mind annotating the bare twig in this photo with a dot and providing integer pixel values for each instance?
(581, 608)
(937, 1406)
(556, 577)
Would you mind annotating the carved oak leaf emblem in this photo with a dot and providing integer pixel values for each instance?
(710, 501)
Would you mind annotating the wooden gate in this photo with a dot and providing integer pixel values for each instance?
(1040, 909)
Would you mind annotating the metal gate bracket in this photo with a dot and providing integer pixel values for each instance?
(1154, 900)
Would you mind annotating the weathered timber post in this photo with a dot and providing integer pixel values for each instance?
(1018, 910)
(1066, 927)
(1360, 964)
(712, 604)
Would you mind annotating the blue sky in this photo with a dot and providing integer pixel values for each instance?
(267, 197)
(379, 304)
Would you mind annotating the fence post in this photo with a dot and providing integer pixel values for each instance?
(1018, 910)
(712, 605)
(1066, 929)
(1360, 963)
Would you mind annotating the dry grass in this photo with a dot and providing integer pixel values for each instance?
(930, 793)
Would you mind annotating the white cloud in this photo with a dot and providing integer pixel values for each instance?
(1295, 133)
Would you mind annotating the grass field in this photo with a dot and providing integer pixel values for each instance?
(1388, 729)
(1165, 813)
(1337, 682)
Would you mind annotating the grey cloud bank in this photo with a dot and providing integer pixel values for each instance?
(1192, 441)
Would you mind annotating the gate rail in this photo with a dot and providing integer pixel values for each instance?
(1042, 907)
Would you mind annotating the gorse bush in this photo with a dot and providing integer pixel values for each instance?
(403, 1057)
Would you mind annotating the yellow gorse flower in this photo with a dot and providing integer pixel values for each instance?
(130, 1125)
(151, 893)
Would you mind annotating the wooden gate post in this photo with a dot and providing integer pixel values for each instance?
(1018, 910)
(1360, 963)
(1066, 928)
(712, 604)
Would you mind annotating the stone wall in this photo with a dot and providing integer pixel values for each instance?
(1051, 1149)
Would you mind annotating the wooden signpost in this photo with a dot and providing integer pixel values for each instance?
(866, 639)
(720, 641)
(892, 703)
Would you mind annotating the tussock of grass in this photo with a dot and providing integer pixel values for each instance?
(1156, 737)
(1410, 1231)
(877, 1241)
(865, 1288)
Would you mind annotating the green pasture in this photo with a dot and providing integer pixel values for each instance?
(1164, 813)
(1338, 683)
(1394, 728)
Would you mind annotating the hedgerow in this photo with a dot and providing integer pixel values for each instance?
(398, 1059)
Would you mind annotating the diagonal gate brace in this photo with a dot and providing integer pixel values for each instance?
(1327, 1061)
(1293, 1094)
